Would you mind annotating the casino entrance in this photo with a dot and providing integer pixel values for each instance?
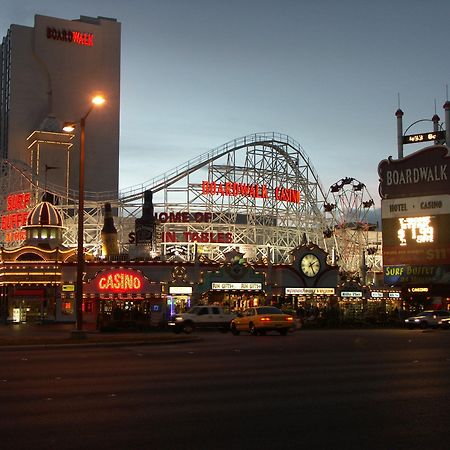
(122, 299)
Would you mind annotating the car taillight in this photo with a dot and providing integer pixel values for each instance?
(265, 319)
(289, 318)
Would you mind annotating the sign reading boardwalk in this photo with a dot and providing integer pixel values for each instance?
(415, 205)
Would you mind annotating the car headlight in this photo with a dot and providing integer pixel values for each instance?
(177, 319)
(416, 320)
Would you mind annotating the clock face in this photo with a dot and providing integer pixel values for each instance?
(310, 265)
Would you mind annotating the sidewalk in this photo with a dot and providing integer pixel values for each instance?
(61, 335)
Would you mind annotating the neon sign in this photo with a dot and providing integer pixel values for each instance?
(120, 281)
(229, 189)
(76, 37)
(16, 217)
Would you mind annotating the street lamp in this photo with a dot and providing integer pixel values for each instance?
(69, 127)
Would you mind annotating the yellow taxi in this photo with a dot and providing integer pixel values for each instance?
(261, 319)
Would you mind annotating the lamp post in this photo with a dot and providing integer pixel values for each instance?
(69, 127)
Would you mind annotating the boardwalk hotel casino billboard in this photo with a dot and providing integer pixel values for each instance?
(415, 205)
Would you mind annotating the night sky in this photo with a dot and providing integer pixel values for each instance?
(198, 73)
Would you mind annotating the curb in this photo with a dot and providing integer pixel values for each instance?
(83, 344)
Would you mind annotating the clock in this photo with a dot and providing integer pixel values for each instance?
(310, 265)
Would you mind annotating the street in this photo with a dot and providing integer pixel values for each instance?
(313, 389)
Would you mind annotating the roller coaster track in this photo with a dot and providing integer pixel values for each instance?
(273, 140)
(269, 156)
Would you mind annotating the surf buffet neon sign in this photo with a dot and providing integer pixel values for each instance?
(17, 213)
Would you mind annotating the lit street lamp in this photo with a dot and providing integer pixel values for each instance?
(69, 127)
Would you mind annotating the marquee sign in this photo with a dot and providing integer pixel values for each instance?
(415, 209)
(310, 291)
(415, 230)
(215, 286)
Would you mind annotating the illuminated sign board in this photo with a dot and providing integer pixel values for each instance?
(68, 288)
(424, 137)
(418, 289)
(309, 291)
(180, 290)
(376, 294)
(120, 280)
(236, 286)
(415, 231)
(230, 189)
(75, 37)
(351, 294)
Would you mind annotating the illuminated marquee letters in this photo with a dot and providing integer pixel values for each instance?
(120, 281)
(76, 37)
(229, 189)
(16, 217)
(420, 229)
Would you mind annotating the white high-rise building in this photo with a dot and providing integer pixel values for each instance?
(49, 73)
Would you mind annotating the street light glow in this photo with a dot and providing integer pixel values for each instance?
(98, 100)
(69, 127)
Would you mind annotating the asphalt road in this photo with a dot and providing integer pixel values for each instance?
(317, 389)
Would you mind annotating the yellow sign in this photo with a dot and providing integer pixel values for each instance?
(68, 288)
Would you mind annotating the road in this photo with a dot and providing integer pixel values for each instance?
(314, 389)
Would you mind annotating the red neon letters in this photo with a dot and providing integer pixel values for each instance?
(120, 281)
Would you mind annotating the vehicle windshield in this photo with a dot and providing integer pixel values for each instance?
(268, 310)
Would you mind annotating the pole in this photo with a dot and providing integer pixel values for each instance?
(399, 115)
(80, 239)
(447, 123)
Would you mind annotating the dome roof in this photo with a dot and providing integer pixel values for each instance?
(51, 124)
(44, 214)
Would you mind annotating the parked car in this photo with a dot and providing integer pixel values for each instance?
(427, 319)
(261, 319)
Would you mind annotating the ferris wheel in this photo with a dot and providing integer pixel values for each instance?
(351, 208)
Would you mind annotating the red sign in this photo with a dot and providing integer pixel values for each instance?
(76, 37)
(230, 189)
(16, 202)
(120, 281)
(16, 217)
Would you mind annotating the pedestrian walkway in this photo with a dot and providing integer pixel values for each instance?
(46, 335)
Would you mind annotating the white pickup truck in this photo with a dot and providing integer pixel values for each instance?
(200, 317)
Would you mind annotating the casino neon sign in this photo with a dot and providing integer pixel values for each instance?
(120, 281)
